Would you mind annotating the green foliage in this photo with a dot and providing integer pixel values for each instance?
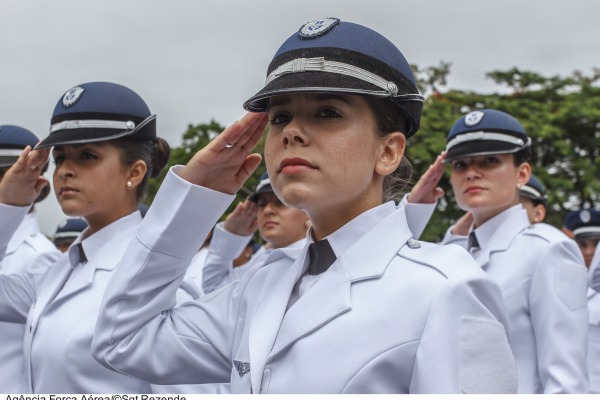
(560, 114)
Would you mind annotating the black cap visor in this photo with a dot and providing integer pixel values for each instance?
(264, 189)
(481, 148)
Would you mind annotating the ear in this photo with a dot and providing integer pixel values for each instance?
(539, 213)
(391, 153)
(136, 173)
(524, 174)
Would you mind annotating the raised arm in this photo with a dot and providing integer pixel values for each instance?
(138, 331)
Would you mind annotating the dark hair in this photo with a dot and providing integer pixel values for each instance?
(521, 156)
(388, 119)
(155, 153)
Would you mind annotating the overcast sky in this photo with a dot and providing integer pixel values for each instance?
(194, 60)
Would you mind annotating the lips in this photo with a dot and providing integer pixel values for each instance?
(66, 190)
(294, 164)
(472, 189)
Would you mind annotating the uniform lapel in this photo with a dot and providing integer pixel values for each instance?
(270, 310)
(503, 237)
(330, 296)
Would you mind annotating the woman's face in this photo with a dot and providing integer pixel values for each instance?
(278, 224)
(588, 248)
(487, 185)
(323, 155)
(91, 182)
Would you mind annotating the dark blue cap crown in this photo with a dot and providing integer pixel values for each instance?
(584, 223)
(533, 190)
(485, 132)
(264, 186)
(99, 111)
(70, 228)
(13, 139)
(333, 56)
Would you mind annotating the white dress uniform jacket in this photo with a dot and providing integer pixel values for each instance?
(386, 317)
(27, 251)
(594, 340)
(543, 280)
(218, 265)
(59, 309)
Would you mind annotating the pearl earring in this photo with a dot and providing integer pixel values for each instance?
(129, 184)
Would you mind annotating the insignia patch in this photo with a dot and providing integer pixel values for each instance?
(242, 367)
(585, 216)
(318, 28)
(473, 118)
(72, 96)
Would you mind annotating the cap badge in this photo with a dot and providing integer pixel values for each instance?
(72, 96)
(473, 118)
(585, 216)
(318, 28)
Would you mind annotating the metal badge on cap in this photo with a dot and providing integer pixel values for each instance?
(585, 216)
(473, 118)
(318, 28)
(72, 96)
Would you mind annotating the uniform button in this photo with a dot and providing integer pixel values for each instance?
(413, 244)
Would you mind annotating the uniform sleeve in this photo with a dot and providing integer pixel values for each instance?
(139, 331)
(17, 292)
(417, 215)
(11, 218)
(464, 347)
(218, 268)
(560, 318)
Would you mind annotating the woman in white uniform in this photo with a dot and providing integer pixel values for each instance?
(363, 307)
(105, 150)
(27, 251)
(585, 225)
(540, 271)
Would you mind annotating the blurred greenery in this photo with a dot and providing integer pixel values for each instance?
(560, 114)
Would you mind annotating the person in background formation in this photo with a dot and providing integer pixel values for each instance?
(27, 251)
(531, 196)
(280, 226)
(594, 323)
(539, 270)
(67, 231)
(362, 307)
(586, 232)
(105, 148)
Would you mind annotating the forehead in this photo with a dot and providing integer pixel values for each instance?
(75, 147)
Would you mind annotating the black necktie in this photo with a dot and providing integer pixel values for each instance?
(472, 243)
(321, 256)
(82, 258)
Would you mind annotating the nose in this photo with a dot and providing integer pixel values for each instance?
(472, 171)
(293, 133)
(64, 170)
(268, 209)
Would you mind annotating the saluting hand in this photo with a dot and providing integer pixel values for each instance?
(426, 189)
(226, 162)
(23, 183)
(242, 220)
